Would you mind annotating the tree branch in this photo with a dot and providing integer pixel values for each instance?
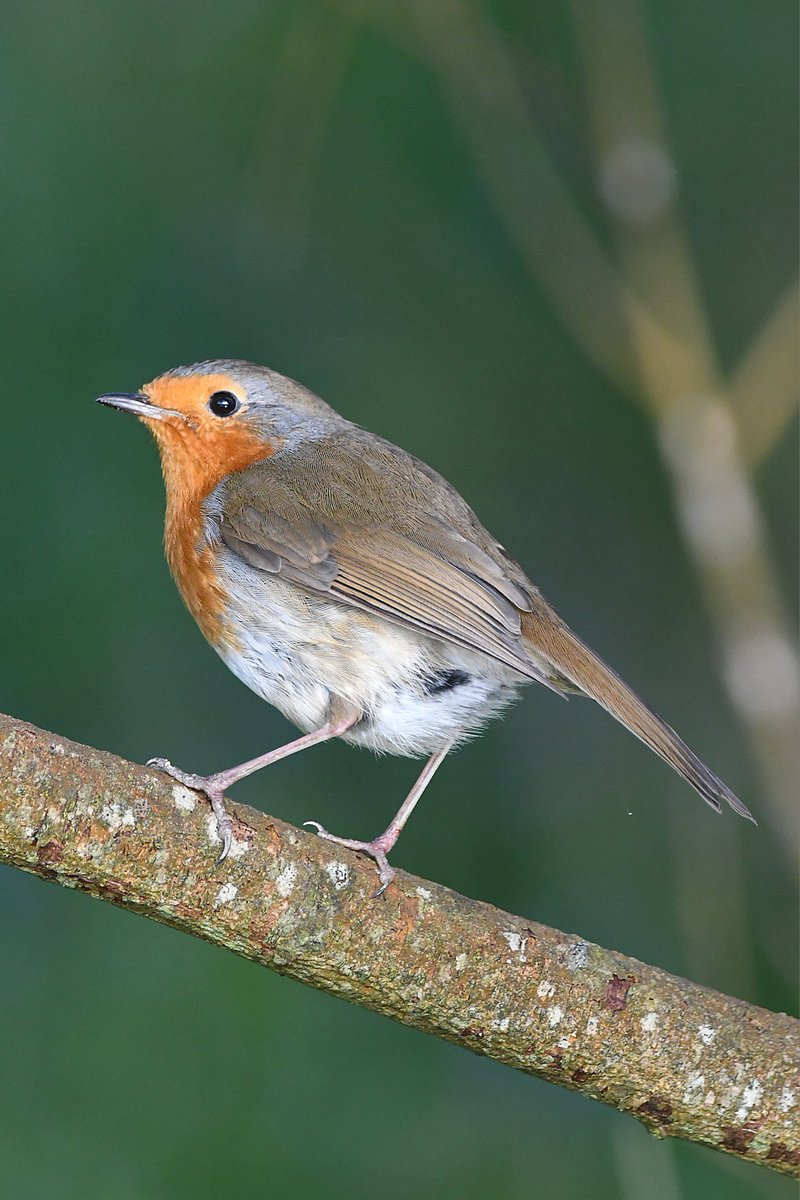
(686, 1061)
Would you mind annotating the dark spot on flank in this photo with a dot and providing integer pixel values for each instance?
(444, 681)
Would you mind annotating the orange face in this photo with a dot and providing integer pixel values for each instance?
(200, 424)
(201, 430)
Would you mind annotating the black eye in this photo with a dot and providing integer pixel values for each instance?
(222, 404)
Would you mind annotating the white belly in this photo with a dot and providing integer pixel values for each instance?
(301, 653)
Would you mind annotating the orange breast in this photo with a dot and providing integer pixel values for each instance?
(195, 458)
(193, 568)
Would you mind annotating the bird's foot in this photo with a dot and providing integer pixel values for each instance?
(213, 789)
(375, 849)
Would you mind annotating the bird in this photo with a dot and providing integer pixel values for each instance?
(348, 584)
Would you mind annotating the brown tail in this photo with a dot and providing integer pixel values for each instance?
(551, 639)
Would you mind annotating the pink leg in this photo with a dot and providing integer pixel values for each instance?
(215, 786)
(380, 846)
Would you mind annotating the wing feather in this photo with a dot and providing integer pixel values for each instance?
(427, 575)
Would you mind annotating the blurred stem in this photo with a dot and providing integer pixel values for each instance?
(686, 1061)
(645, 327)
(764, 390)
(555, 244)
(681, 384)
(558, 247)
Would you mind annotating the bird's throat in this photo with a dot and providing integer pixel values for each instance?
(190, 475)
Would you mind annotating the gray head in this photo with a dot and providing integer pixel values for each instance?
(217, 407)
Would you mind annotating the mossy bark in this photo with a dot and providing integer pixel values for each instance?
(686, 1061)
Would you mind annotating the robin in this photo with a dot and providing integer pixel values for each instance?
(349, 585)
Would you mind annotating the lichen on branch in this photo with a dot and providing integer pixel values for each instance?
(686, 1061)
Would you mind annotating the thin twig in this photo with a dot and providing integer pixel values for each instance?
(686, 1061)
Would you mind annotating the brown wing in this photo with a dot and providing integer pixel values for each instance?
(359, 520)
(375, 531)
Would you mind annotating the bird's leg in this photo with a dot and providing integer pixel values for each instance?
(215, 786)
(380, 846)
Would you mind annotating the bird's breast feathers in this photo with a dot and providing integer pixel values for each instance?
(304, 654)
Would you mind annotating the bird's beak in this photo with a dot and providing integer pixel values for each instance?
(139, 404)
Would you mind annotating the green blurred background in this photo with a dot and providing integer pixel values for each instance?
(424, 211)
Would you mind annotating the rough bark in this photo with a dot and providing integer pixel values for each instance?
(686, 1061)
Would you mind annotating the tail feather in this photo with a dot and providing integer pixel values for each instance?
(551, 639)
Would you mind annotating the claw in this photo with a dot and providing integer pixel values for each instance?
(374, 849)
(384, 885)
(227, 842)
(385, 872)
(224, 824)
(198, 783)
(215, 797)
